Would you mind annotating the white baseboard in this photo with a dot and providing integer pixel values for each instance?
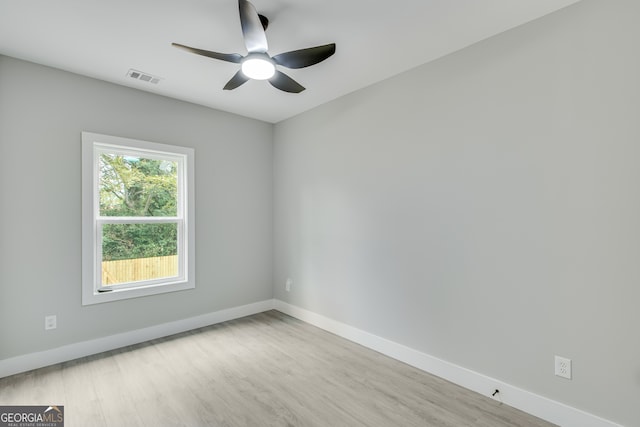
(65, 353)
(539, 406)
(531, 403)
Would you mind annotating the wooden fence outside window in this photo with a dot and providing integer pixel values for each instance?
(134, 270)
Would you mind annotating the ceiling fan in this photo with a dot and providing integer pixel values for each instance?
(257, 64)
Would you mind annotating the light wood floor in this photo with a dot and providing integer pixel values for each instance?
(263, 370)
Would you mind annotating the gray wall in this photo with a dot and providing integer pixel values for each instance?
(42, 112)
(484, 208)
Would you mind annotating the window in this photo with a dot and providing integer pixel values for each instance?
(137, 218)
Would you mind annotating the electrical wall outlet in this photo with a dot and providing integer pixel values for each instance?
(50, 322)
(563, 367)
(287, 285)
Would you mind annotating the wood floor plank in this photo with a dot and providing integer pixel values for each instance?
(264, 370)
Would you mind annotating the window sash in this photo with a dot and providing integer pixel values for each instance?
(100, 220)
(161, 281)
(138, 219)
(103, 148)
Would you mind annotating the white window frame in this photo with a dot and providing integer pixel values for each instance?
(93, 145)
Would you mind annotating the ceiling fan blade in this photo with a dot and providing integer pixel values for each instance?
(283, 82)
(229, 57)
(237, 80)
(305, 57)
(254, 38)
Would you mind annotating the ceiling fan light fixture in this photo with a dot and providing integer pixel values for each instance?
(258, 64)
(258, 67)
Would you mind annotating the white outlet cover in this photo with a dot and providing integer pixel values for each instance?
(563, 367)
(287, 286)
(50, 322)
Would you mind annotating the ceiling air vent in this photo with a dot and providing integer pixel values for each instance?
(145, 77)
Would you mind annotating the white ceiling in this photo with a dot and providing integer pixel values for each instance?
(375, 40)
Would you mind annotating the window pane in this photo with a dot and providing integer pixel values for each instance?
(137, 186)
(135, 252)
